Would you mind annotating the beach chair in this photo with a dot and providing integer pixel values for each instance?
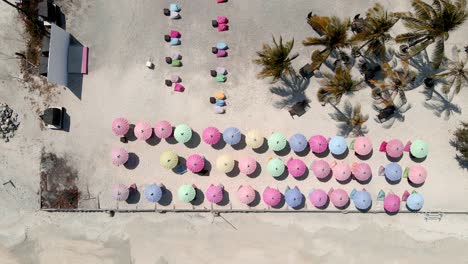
(381, 195)
(149, 63)
(175, 78)
(405, 173)
(175, 34)
(220, 103)
(221, 70)
(176, 63)
(383, 146)
(407, 147)
(218, 109)
(386, 113)
(221, 53)
(299, 108)
(174, 7)
(223, 27)
(220, 78)
(222, 20)
(405, 196)
(221, 1)
(175, 41)
(179, 87)
(221, 46)
(174, 15)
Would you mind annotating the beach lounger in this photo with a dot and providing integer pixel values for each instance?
(176, 63)
(220, 103)
(222, 20)
(174, 15)
(223, 27)
(179, 87)
(386, 113)
(218, 109)
(221, 46)
(221, 1)
(176, 56)
(220, 78)
(221, 70)
(220, 96)
(221, 53)
(383, 146)
(175, 41)
(175, 34)
(299, 108)
(174, 7)
(175, 78)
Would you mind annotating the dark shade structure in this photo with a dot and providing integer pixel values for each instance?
(53, 117)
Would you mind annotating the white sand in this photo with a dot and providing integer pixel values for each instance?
(121, 36)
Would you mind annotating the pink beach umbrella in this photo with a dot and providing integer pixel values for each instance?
(417, 174)
(271, 197)
(247, 165)
(163, 129)
(296, 167)
(211, 135)
(339, 197)
(119, 156)
(362, 146)
(392, 203)
(318, 144)
(195, 163)
(120, 192)
(214, 194)
(143, 131)
(321, 169)
(120, 126)
(341, 171)
(394, 148)
(246, 194)
(318, 198)
(361, 171)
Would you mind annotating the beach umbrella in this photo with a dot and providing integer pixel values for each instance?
(214, 194)
(298, 142)
(254, 139)
(271, 196)
(153, 193)
(277, 141)
(182, 133)
(211, 135)
(337, 145)
(120, 126)
(293, 197)
(195, 163)
(225, 163)
(419, 149)
(318, 144)
(392, 203)
(318, 198)
(168, 160)
(361, 171)
(394, 148)
(120, 192)
(186, 193)
(339, 198)
(415, 202)
(417, 174)
(232, 136)
(247, 165)
(393, 171)
(321, 169)
(119, 156)
(275, 167)
(143, 131)
(246, 194)
(362, 146)
(296, 167)
(341, 171)
(163, 129)
(362, 200)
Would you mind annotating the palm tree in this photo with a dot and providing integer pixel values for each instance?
(275, 60)
(375, 31)
(431, 24)
(460, 143)
(351, 120)
(334, 86)
(455, 75)
(333, 35)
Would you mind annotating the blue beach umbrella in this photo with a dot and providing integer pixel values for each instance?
(362, 200)
(298, 142)
(337, 145)
(393, 171)
(232, 136)
(293, 197)
(415, 202)
(153, 193)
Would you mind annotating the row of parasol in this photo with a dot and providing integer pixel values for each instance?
(318, 144)
(297, 168)
(273, 197)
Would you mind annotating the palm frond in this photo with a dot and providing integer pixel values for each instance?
(423, 10)
(438, 54)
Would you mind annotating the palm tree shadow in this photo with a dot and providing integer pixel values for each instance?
(441, 104)
(423, 65)
(399, 115)
(292, 90)
(344, 128)
(462, 161)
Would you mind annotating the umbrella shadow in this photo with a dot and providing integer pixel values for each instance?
(283, 176)
(194, 141)
(304, 152)
(365, 210)
(392, 182)
(363, 182)
(235, 171)
(391, 213)
(263, 148)
(345, 181)
(323, 207)
(171, 140)
(341, 156)
(285, 151)
(225, 200)
(344, 206)
(257, 172)
(166, 198)
(241, 145)
(206, 169)
(304, 176)
(291, 91)
(220, 145)
(133, 161)
(130, 134)
(323, 154)
(392, 159)
(414, 185)
(281, 203)
(181, 161)
(153, 140)
(417, 160)
(134, 196)
(365, 157)
(301, 205)
(199, 198)
(257, 200)
(329, 176)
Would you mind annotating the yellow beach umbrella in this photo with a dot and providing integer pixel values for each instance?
(225, 163)
(254, 139)
(169, 160)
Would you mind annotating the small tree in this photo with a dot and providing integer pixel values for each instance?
(334, 86)
(455, 75)
(460, 142)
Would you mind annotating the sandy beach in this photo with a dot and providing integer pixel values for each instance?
(121, 36)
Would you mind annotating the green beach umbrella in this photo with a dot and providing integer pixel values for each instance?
(277, 141)
(186, 193)
(419, 149)
(182, 133)
(168, 160)
(275, 167)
